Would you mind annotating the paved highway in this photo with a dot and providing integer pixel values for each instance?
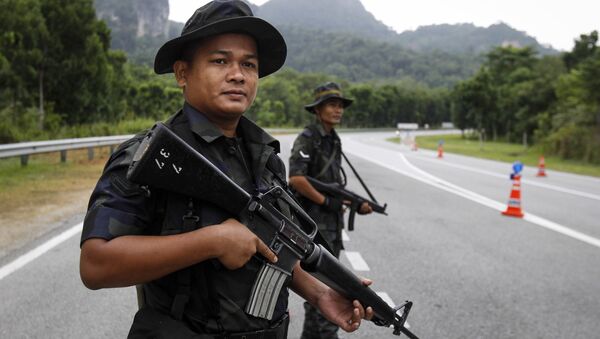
(471, 272)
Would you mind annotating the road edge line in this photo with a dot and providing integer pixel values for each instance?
(28, 257)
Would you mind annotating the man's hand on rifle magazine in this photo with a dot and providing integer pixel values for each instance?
(237, 244)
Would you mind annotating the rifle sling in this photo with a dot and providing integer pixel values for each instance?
(328, 163)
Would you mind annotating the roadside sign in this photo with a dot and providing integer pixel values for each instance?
(407, 126)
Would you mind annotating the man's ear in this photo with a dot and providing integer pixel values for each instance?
(317, 111)
(180, 68)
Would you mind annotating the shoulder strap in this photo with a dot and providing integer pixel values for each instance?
(328, 163)
(313, 133)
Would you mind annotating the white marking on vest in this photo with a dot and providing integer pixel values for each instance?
(305, 156)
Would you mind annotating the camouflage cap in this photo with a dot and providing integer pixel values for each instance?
(324, 92)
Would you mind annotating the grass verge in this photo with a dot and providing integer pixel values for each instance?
(502, 151)
(36, 197)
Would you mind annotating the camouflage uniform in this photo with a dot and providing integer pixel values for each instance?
(312, 151)
(206, 297)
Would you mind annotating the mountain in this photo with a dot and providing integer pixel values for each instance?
(344, 16)
(350, 16)
(337, 37)
(139, 27)
(359, 59)
(468, 38)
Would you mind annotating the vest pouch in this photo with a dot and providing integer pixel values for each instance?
(150, 323)
(278, 331)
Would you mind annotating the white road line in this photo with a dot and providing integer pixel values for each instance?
(357, 261)
(524, 181)
(388, 300)
(38, 251)
(449, 187)
(345, 236)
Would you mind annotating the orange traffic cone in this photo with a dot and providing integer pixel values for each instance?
(514, 202)
(440, 151)
(541, 167)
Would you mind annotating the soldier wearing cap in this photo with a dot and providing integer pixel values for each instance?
(195, 264)
(317, 153)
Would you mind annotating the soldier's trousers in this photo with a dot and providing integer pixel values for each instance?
(316, 326)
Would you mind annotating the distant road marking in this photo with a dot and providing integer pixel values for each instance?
(449, 187)
(38, 251)
(525, 181)
(357, 261)
(345, 236)
(390, 302)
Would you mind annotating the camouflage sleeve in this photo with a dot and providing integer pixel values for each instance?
(300, 157)
(117, 206)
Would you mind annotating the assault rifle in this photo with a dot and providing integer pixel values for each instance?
(338, 191)
(165, 161)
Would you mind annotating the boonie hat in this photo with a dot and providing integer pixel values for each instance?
(327, 91)
(226, 16)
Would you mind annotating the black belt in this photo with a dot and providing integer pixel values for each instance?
(279, 332)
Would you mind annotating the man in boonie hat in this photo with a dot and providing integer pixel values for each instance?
(193, 263)
(317, 153)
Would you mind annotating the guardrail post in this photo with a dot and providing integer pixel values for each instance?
(24, 160)
(63, 156)
(112, 149)
(90, 153)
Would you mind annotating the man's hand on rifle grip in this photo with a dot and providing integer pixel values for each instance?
(237, 244)
(365, 208)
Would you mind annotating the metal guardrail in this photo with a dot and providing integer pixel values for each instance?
(24, 149)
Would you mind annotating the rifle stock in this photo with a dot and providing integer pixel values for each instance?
(167, 162)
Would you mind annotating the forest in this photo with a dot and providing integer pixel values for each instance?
(551, 100)
(60, 78)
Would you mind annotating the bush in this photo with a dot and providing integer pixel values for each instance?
(575, 142)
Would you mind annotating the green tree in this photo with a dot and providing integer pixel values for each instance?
(474, 99)
(24, 38)
(584, 48)
(78, 69)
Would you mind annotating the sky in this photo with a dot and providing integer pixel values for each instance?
(553, 22)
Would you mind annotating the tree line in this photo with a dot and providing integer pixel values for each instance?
(60, 78)
(282, 96)
(553, 100)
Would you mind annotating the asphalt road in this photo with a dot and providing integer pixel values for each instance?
(470, 271)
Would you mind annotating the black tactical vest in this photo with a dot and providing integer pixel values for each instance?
(209, 297)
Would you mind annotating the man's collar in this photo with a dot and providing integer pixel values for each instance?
(206, 130)
(322, 130)
(200, 125)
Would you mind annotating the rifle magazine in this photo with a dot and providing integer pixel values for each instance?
(263, 298)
